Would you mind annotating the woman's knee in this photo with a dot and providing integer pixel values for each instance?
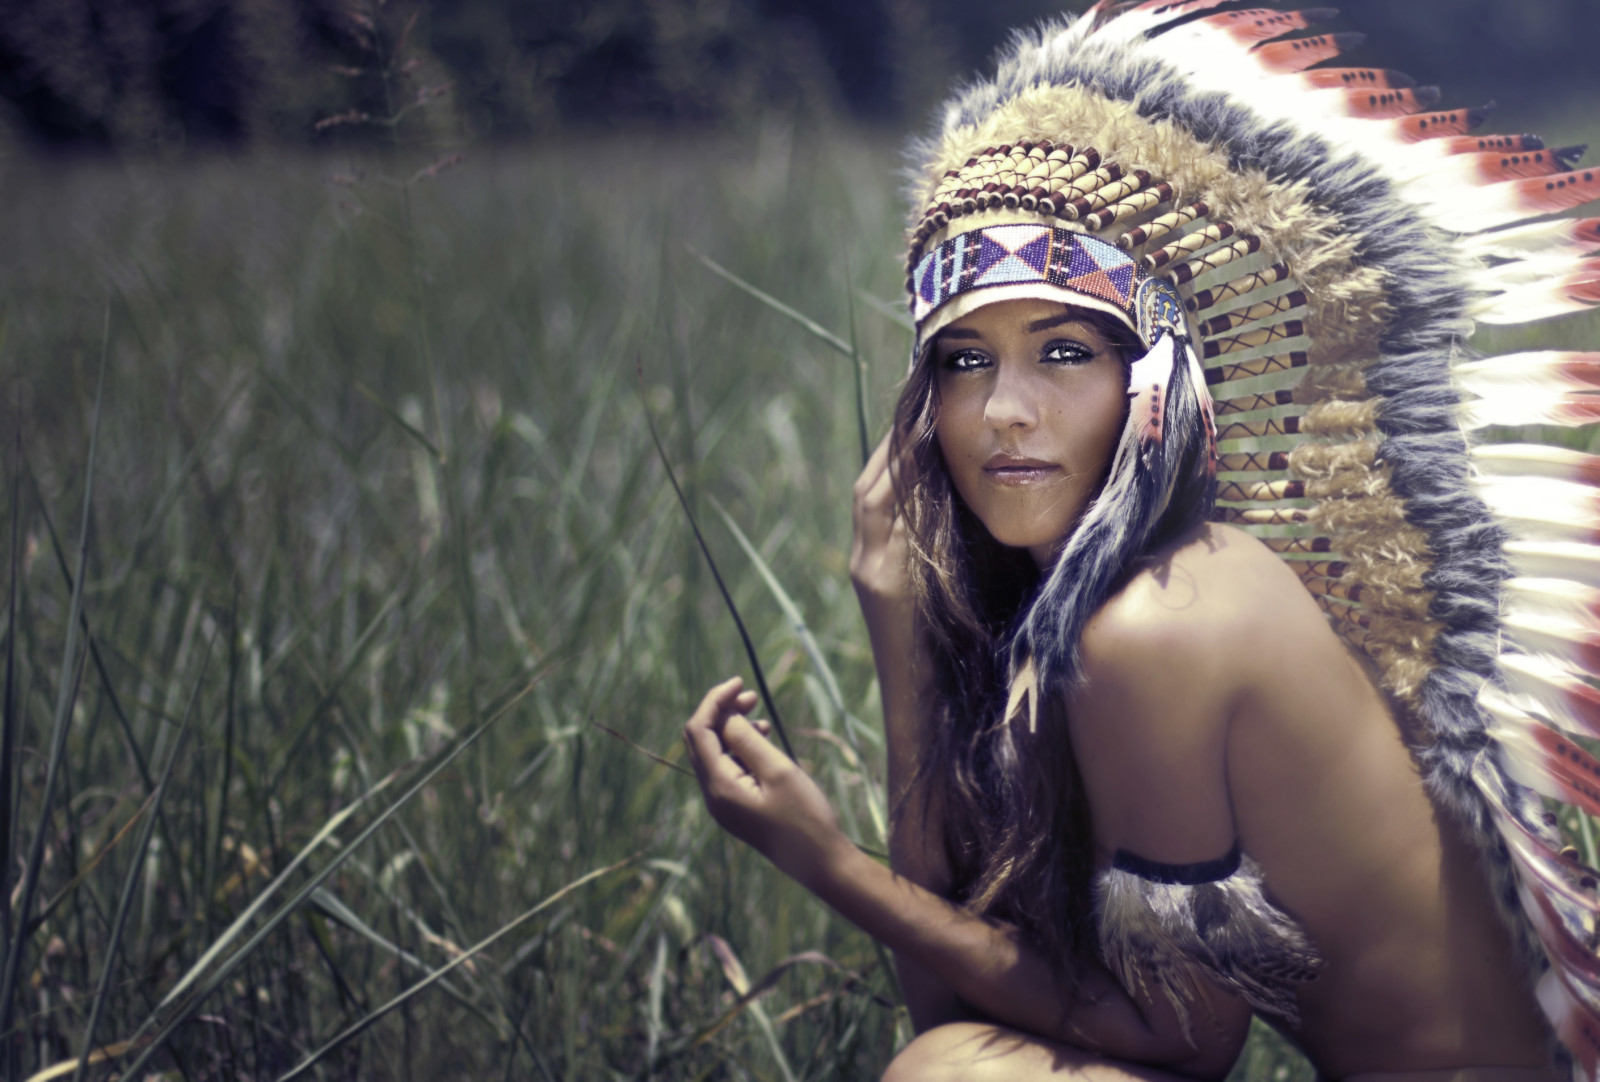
(932, 1056)
(975, 1052)
(972, 1051)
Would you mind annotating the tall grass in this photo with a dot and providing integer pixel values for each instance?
(373, 469)
(374, 580)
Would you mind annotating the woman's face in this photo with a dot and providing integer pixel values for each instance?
(1031, 404)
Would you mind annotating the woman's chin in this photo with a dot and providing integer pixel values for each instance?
(1033, 539)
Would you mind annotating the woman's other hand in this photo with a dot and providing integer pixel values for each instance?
(879, 552)
(757, 793)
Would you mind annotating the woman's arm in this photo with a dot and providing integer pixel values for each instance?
(878, 571)
(764, 799)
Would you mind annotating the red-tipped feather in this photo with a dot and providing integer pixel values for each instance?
(1388, 104)
(1555, 237)
(1492, 144)
(1576, 1026)
(1414, 129)
(1575, 291)
(1543, 509)
(1357, 79)
(1538, 460)
(1561, 942)
(1565, 411)
(1551, 194)
(1298, 54)
(1560, 872)
(1494, 167)
(1556, 601)
(1181, 7)
(1147, 387)
(1260, 24)
(1556, 560)
(1556, 874)
(1547, 762)
(1531, 389)
(1559, 695)
(1577, 648)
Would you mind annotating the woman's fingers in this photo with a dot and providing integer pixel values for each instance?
(874, 472)
(741, 737)
(699, 732)
(717, 764)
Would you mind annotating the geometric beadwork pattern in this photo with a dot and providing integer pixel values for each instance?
(1003, 255)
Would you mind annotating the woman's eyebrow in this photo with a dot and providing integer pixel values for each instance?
(1052, 321)
(959, 332)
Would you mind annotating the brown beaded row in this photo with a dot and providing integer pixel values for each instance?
(1062, 181)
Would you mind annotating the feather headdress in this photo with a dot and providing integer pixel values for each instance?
(1332, 237)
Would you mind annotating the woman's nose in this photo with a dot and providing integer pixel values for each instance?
(1011, 402)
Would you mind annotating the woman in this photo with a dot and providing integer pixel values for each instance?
(1142, 785)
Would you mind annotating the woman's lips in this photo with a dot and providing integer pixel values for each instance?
(1004, 470)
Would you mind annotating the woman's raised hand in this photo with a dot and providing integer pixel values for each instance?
(880, 551)
(754, 791)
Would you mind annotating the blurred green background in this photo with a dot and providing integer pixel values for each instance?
(142, 75)
(383, 296)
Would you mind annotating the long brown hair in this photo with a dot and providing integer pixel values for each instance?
(1015, 820)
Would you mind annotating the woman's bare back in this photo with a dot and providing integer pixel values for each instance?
(1322, 793)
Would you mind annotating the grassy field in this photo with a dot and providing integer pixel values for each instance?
(369, 468)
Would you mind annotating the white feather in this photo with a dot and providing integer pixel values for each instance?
(1524, 272)
(1530, 304)
(1555, 601)
(1529, 241)
(1542, 508)
(1556, 560)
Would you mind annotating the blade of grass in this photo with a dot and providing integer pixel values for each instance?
(71, 680)
(106, 685)
(342, 914)
(180, 478)
(131, 883)
(652, 1014)
(439, 974)
(727, 598)
(778, 306)
(891, 311)
(641, 749)
(299, 897)
(749, 998)
(814, 652)
(69, 1066)
(301, 727)
(8, 713)
(94, 862)
(389, 411)
(860, 367)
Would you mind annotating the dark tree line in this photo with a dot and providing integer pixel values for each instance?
(158, 74)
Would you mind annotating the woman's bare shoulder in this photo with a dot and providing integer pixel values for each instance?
(1213, 591)
(1163, 672)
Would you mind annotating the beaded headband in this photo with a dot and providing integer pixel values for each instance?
(1030, 211)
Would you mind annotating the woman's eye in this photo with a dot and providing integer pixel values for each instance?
(966, 360)
(1067, 353)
